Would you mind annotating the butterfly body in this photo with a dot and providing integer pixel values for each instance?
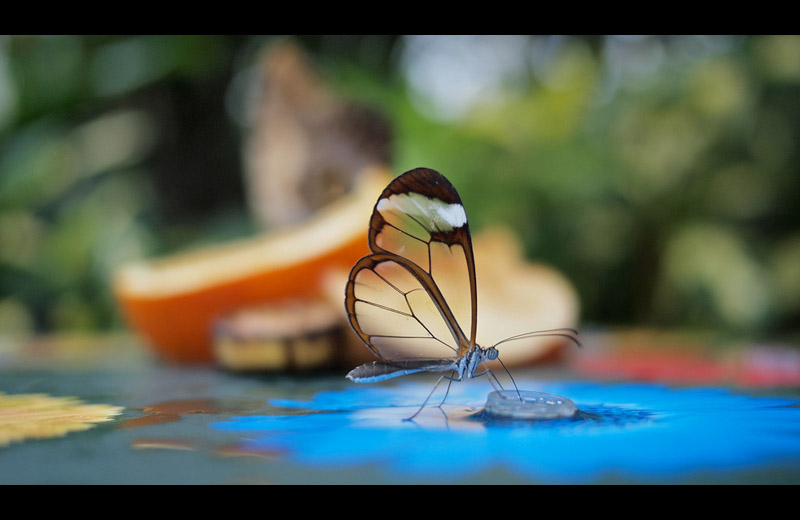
(462, 368)
(408, 299)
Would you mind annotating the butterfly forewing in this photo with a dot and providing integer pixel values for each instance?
(420, 218)
(449, 269)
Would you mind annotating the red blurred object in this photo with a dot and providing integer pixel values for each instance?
(685, 358)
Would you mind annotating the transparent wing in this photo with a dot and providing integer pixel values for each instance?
(420, 218)
(399, 312)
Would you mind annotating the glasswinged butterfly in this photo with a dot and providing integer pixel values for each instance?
(408, 300)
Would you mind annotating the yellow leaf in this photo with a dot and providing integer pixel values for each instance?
(40, 416)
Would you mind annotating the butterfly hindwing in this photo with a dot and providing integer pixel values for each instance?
(399, 312)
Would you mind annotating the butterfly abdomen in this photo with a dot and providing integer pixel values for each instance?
(380, 370)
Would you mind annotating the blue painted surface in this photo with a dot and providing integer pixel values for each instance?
(640, 431)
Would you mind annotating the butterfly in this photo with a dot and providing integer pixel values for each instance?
(408, 299)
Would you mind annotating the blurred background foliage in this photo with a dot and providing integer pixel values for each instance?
(660, 174)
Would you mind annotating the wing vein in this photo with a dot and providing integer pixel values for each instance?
(407, 233)
(424, 326)
(390, 284)
(384, 307)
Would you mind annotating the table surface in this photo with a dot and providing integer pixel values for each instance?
(197, 424)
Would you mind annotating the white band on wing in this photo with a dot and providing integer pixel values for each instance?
(443, 216)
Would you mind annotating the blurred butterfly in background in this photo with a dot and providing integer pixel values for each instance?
(407, 300)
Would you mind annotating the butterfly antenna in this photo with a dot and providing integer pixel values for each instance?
(568, 333)
(426, 400)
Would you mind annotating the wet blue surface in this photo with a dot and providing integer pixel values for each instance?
(645, 432)
(323, 429)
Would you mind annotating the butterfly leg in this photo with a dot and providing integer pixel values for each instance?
(450, 382)
(426, 400)
(488, 371)
(450, 379)
(510, 377)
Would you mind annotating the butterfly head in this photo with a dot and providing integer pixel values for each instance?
(490, 353)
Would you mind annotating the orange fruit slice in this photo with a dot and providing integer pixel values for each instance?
(174, 301)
